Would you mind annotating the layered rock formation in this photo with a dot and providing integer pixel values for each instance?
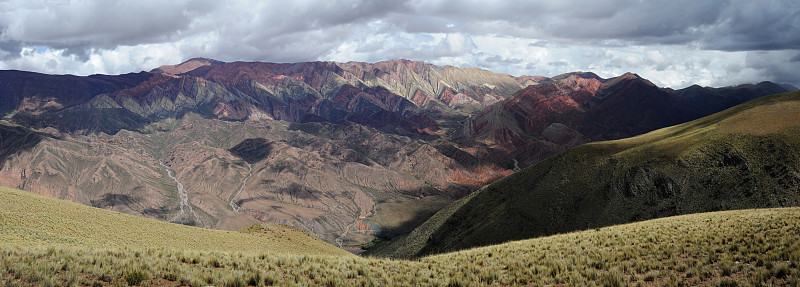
(327, 147)
(348, 151)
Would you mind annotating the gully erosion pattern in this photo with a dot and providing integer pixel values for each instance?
(185, 203)
(233, 205)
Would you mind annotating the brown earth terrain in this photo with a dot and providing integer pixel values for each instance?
(350, 152)
(329, 179)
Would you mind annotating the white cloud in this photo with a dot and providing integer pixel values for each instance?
(674, 43)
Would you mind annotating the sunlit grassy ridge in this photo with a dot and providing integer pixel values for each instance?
(744, 157)
(29, 220)
(732, 248)
(770, 115)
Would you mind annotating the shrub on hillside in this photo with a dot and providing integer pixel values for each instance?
(134, 277)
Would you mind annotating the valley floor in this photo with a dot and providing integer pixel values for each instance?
(731, 248)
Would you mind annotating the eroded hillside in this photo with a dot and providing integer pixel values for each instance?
(743, 157)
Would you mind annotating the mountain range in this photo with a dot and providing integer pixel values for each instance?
(744, 157)
(346, 151)
(576, 108)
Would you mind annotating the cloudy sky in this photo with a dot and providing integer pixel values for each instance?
(674, 43)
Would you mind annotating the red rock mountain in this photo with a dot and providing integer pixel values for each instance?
(394, 95)
(324, 146)
(348, 151)
(575, 108)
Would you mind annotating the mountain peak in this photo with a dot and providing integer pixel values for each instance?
(579, 74)
(630, 76)
(186, 66)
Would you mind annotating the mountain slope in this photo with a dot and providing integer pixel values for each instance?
(710, 100)
(435, 88)
(629, 105)
(743, 157)
(756, 247)
(186, 66)
(321, 177)
(395, 96)
(347, 151)
(575, 108)
(33, 220)
(322, 146)
(36, 93)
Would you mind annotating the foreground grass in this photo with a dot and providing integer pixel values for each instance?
(732, 248)
(30, 220)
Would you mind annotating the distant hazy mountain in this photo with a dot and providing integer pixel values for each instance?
(710, 100)
(789, 87)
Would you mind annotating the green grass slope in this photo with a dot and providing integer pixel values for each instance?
(730, 248)
(744, 157)
(30, 220)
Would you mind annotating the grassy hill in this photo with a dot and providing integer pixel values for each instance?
(744, 157)
(731, 248)
(30, 220)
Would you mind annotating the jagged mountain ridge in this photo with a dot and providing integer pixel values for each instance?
(398, 94)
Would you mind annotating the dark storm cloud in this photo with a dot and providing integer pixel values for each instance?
(83, 25)
(9, 49)
(711, 24)
(279, 30)
(773, 66)
(759, 25)
(288, 31)
(305, 30)
(515, 36)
